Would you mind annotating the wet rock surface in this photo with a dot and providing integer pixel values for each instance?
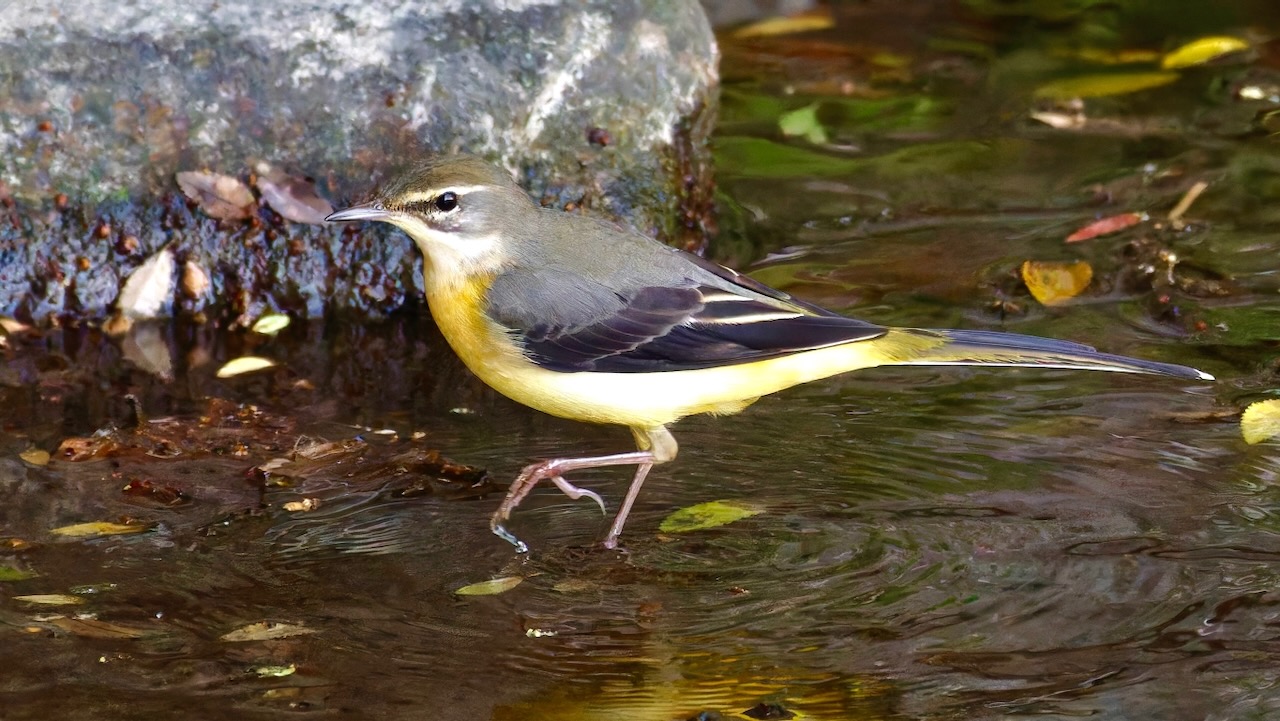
(601, 106)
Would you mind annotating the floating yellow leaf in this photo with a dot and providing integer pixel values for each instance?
(491, 587)
(271, 323)
(706, 515)
(50, 599)
(1056, 283)
(99, 528)
(1261, 421)
(1199, 52)
(1098, 85)
(802, 23)
(265, 631)
(35, 456)
(244, 364)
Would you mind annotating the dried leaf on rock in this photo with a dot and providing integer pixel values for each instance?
(219, 196)
(1261, 421)
(1056, 283)
(293, 198)
(1106, 226)
(146, 291)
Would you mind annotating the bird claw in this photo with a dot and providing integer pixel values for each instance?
(501, 532)
(575, 492)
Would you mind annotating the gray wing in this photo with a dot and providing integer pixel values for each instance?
(568, 322)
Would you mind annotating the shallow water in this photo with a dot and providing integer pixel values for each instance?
(931, 543)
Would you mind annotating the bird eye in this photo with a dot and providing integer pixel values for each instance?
(446, 201)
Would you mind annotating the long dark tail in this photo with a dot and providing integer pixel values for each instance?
(994, 348)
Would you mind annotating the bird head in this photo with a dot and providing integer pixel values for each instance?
(462, 213)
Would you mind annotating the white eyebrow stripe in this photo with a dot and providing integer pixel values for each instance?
(435, 192)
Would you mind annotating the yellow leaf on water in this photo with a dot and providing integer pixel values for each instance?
(265, 631)
(805, 22)
(707, 515)
(1203, 50)
(1260, 421)
(99, 528)
(50, 599)
(244, 364)
(271, 323)
(491, 587)
(1102, 84)
(1056, 283)
(35, 456)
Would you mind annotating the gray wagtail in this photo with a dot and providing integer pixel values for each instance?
(581, 319)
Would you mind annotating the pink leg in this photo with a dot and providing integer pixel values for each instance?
(553, 470)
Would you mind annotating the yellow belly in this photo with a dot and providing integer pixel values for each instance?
(638, 400)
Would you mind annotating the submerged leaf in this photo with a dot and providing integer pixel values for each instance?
(93, 628)
(706, 515)
(491, 587)
(1261, 421)
(50, 599)
(1056, 283)
(9, 573)
(265, 631)
(219, 196)
(1099, 85)
(146, 290)
(244, 364)
(1106, 226)
(99, 528)
(803, 123)
(1203, 50)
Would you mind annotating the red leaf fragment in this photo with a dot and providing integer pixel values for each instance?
(1106, 226)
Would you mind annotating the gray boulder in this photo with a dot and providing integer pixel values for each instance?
(599, 104)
